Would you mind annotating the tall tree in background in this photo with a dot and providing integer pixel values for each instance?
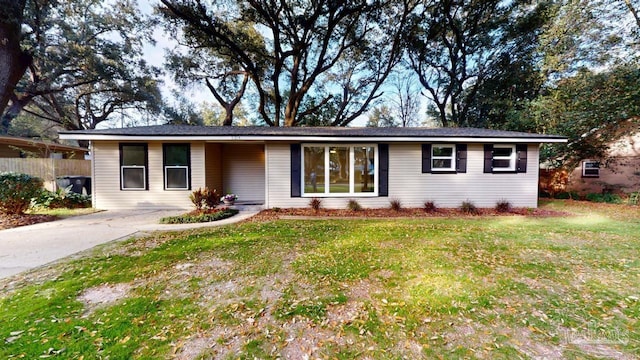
(198, 59)
(338, 51)
(86, 64)
(13, 61)
(453, 45)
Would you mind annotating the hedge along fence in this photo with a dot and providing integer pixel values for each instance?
(46, 169)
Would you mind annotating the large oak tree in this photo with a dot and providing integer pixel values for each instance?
(85, 63)
(335, 53)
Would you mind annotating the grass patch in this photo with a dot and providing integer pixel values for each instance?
(62, 212)
(474, 287)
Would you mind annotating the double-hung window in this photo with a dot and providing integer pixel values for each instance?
(443, 157)
(504, 157)
(590, 168)
(340, 170)
(133, 166)
(177, 164)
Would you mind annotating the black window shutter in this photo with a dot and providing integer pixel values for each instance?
(383, 164)
(296, 170)
(426, 158)
(521, 162)
(488, 158)
(461, 158)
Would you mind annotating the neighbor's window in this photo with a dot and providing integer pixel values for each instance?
(133, 166)
(176, 166)
(339, 170)
(443, 158)
(504, 158)
(590, 168)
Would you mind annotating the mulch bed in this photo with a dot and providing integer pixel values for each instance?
(272, 214)
(11, 221)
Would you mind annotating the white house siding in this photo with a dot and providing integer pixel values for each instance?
(213, 166)
(106, 179)
(243, 171)
(408, 184)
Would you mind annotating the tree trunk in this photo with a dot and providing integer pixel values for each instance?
(13, 62)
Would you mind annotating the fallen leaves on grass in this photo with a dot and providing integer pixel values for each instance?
(10, 221)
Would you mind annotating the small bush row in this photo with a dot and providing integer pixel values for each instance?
(610, 198)
(199, 217)
(467, 207)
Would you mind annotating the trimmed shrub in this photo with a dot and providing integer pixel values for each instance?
(567, 195)
(503, 206)
(16, 192)
(395, 204)
(604, 198)
(430, 206)
(354, 205)
(211, 198)
(315, 204)
(469, 208)
(204, 198)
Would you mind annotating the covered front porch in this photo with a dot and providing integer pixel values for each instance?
(237, 168)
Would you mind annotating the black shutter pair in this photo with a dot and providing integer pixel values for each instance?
(461, 159)
(296, 168)
(521, 158)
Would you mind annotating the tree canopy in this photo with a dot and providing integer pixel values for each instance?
(85, 63)
(340, 53)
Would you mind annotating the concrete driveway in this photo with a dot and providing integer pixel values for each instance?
(28, 247)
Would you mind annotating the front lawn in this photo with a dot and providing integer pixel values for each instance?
(473, 287)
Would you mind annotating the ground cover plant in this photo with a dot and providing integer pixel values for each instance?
(435, 287)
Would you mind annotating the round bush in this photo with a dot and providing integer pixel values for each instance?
(16, 192)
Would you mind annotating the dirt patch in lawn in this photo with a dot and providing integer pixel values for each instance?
(103, 295)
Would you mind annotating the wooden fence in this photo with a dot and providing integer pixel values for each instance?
(46, 169)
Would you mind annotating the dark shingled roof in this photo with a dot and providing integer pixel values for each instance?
(263, 131)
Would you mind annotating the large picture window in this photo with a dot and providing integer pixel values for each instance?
(133, 166)
(177, 166)
(339, 170)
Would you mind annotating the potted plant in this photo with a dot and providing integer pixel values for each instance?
(229, 199)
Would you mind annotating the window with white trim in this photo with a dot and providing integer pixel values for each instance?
(504, 157)
(176, 158)
(590, 168)
(133, 166)
(443, 157)
(339, 170)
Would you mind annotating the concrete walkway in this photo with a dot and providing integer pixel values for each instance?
(28, 247)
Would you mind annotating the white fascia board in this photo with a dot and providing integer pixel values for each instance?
(325, 139)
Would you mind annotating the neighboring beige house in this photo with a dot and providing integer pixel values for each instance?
(620, 172)
(159, 166)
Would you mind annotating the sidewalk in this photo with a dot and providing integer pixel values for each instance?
(31, 246)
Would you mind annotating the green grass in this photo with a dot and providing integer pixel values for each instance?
(62, 212)
(482, 287)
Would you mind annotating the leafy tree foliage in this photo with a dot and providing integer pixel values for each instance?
(454, 45)
(339, 52)
(381, 116)
(86, 63)
(591, 109)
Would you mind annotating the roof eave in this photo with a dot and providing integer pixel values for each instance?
(284, 138)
